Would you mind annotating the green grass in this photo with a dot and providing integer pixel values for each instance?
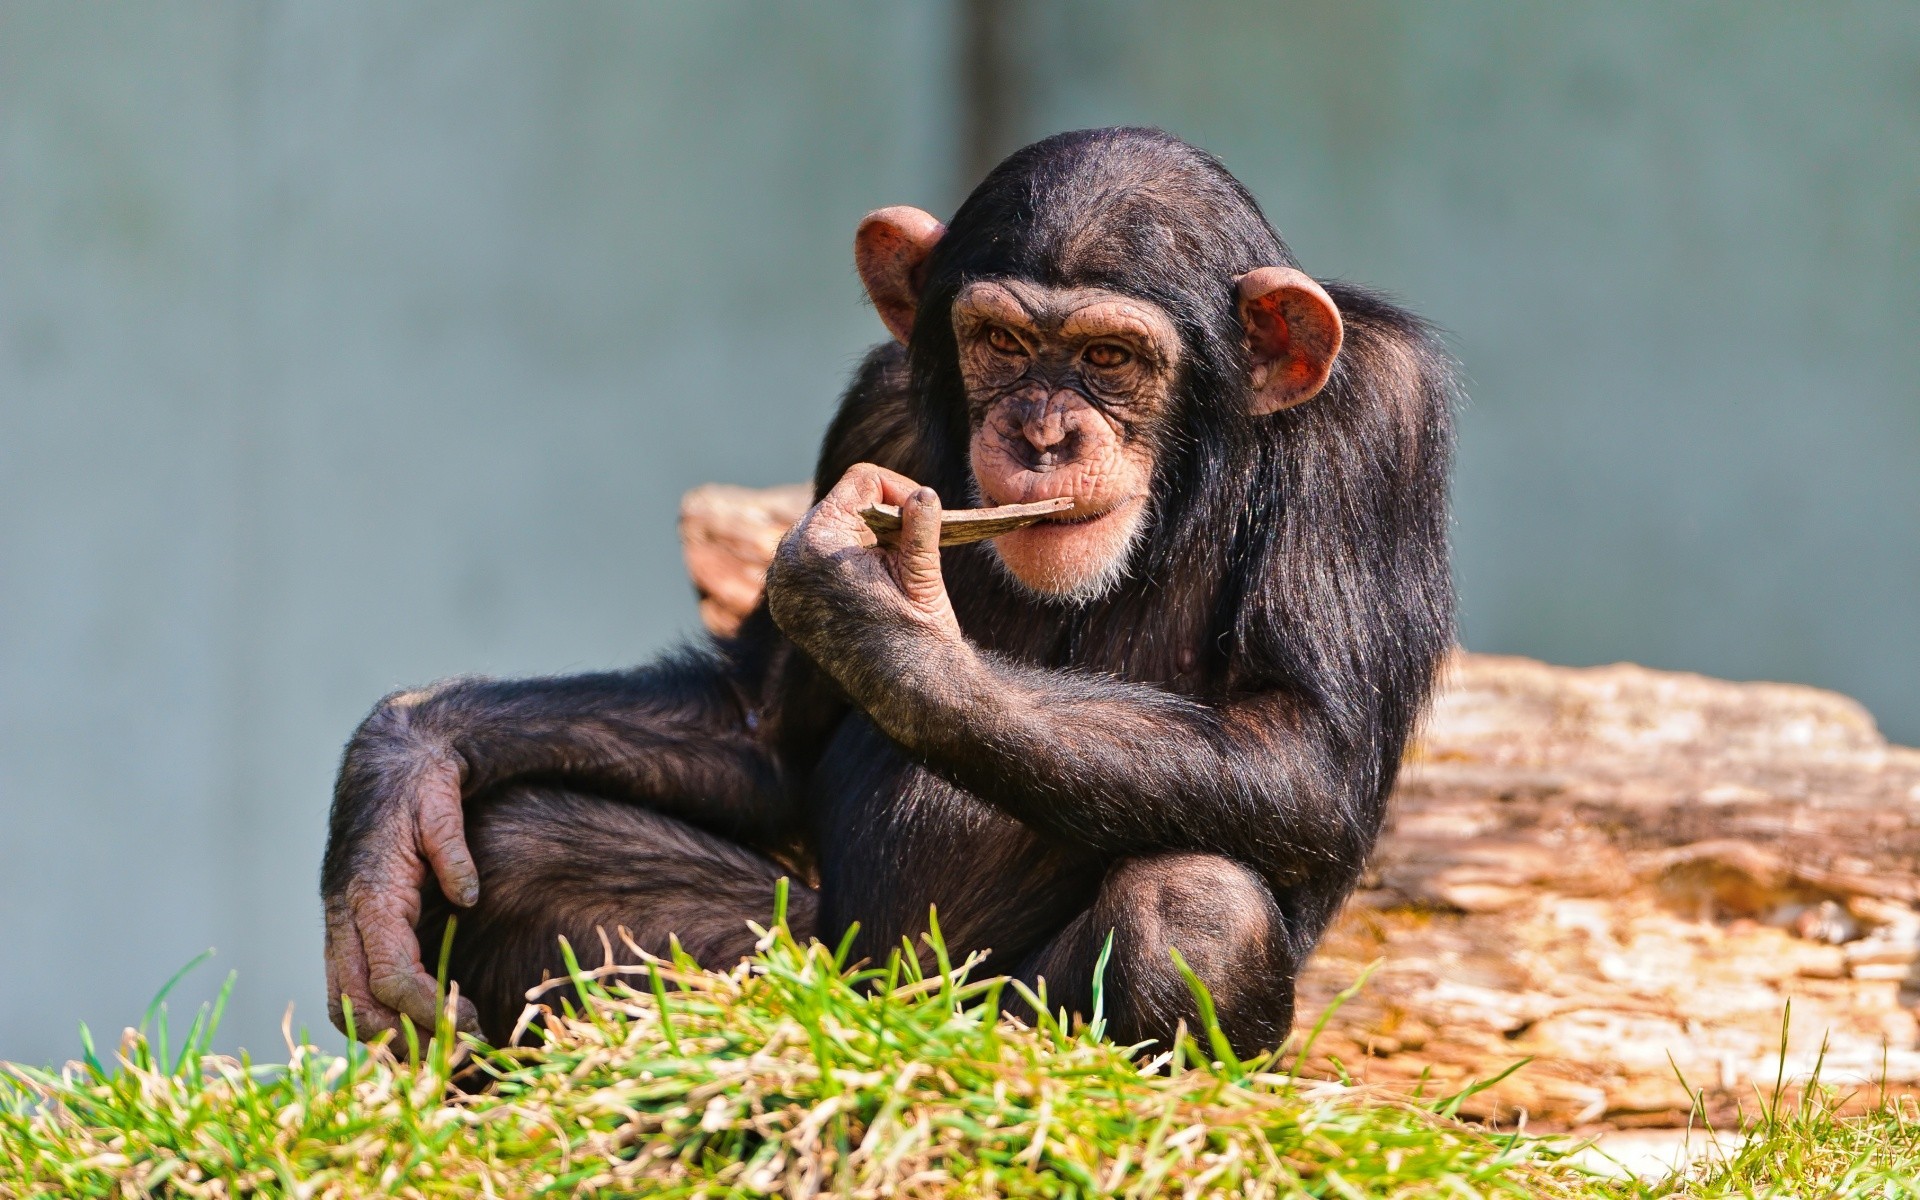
(795, 1074)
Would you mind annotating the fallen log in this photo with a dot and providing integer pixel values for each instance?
(728, 535)
(1622, 874)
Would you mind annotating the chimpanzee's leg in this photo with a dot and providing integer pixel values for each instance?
(555, 863)
(1221, 918)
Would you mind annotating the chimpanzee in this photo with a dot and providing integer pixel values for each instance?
(1172, 714)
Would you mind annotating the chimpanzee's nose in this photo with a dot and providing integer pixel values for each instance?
(1048, 430)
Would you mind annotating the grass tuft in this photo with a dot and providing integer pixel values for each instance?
(793, 1074)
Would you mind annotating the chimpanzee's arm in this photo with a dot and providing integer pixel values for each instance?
(698, 736)
(682, 736)
(1120, 767)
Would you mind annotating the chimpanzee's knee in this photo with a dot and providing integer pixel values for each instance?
(1223, 921)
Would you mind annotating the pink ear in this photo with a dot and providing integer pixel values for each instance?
(890, 250)
(1293, 335)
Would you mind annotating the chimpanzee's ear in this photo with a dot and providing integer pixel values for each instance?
(1293, 335)
(891, 250)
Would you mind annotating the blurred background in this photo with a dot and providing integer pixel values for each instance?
(349, 345)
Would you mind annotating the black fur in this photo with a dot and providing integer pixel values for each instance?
(1198, 759)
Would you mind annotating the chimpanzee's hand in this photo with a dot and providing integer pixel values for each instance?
(830, 567)
(396, 812)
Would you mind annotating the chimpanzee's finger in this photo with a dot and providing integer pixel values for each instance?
(384, 914)
(895, 488)
(395, 974)
(916, 561)
(347, 976)
(835, 524)
(441, 831)
(866, 483)
(856, 489)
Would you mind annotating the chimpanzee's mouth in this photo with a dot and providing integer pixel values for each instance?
(1088, 518)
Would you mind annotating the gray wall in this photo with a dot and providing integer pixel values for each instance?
(344, 346)
(1677, 248)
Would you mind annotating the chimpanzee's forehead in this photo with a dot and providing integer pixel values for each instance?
(1049, 308)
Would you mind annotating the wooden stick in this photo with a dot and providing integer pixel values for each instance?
(958, 526)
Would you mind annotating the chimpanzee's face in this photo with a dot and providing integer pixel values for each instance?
(1068, 392)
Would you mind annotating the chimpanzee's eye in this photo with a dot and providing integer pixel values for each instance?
(1106, 354)
(1002, 340)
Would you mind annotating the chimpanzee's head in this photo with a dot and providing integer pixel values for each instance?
(1100, 296)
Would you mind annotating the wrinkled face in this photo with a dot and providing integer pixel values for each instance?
(1068, 394)
(1069, 390)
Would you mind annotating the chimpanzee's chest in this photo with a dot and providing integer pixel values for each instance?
(894, 840)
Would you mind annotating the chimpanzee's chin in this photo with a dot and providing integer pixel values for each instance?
(1062, 593)
(1057, 571)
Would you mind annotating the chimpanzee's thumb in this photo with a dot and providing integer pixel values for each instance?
(917, 564)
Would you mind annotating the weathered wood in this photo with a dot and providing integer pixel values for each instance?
(1602, 868)
(728, 535)
(961, 526)
(1616, 871)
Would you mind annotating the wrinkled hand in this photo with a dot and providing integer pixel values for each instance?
(830, 565)
(399, 794)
